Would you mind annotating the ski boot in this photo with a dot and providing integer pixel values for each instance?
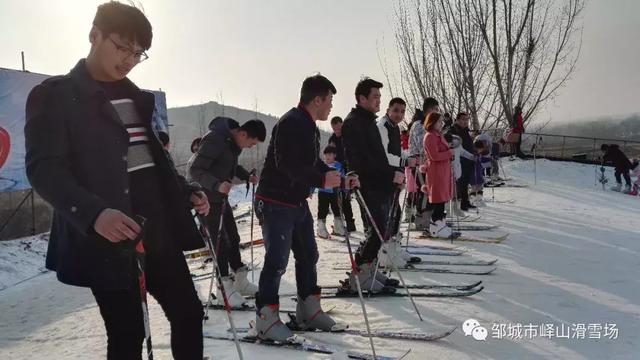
(457, 211)
(616, 187)
(408, 215)
(338, 227)
(310, 316)
(422, 220)
(270, 327)
(368, 279)
(397, 240)
(634, 191)
(242, 284)
(321, 229)
(440, 229)
(351, 226)
(236, 301)
(627, 189)
(390, 257)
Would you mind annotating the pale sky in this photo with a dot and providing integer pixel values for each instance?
(239, 51)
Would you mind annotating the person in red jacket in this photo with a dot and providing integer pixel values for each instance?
(439, 181)
(517, 127)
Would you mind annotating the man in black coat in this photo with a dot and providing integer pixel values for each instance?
(92, 154)
(461, 129)
(613, 154)
(214, 167)
(368, 158)
(291, 169)
(336, 141)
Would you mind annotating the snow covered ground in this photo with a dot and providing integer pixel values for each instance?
(570, 262)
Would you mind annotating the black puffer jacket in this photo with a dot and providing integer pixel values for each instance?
(217, 158)
(364, 151)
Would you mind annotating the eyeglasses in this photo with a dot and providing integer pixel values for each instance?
(138, 56)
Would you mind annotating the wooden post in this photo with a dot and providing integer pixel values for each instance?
(22, 55)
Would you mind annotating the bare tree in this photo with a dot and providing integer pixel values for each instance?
(534, 46)
(485, 56)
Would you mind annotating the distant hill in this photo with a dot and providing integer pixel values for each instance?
(624, 128)
(189, 122)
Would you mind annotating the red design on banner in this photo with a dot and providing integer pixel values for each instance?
(5, 146)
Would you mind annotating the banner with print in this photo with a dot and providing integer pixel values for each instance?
(14, 88)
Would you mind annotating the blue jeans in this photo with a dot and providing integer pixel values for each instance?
(286, 229)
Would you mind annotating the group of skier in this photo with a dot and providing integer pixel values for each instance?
(92, 153)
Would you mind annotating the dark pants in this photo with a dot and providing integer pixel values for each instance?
(169, 282)
(378, 203)
(438, 212)
(418, 199)
(348, 212)
(324, 200)
(167, 279)
(625, 174)
(517, 145)
(397, 214)
(286, 229)
(228, 251)
(462, 185)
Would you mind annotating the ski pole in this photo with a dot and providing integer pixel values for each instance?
(142, 284)
(209, 241)
(393, 267)
(253, 195)
(390, 222)
(355, 270)
(414, 196)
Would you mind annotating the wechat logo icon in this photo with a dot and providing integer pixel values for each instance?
(472, 327)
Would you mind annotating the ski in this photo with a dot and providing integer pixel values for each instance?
(197, 253)
(423, 286)
(455, 226)
(467, 218)
(242, 215)
(418, 251)
(460, 263)
(450, 271)
(207, 275)
(247, 244)
(252, 307)
(302, 344)
(451, 292)
(506, 185)
(459, 237)
(414, 268)
(384, 334)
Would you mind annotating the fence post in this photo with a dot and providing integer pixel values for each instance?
(593, 159)
(564, 138)
(33, 213)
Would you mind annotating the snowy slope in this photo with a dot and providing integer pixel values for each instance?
(571, 258)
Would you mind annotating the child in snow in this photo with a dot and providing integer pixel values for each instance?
(328, 197)
(613, 154)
